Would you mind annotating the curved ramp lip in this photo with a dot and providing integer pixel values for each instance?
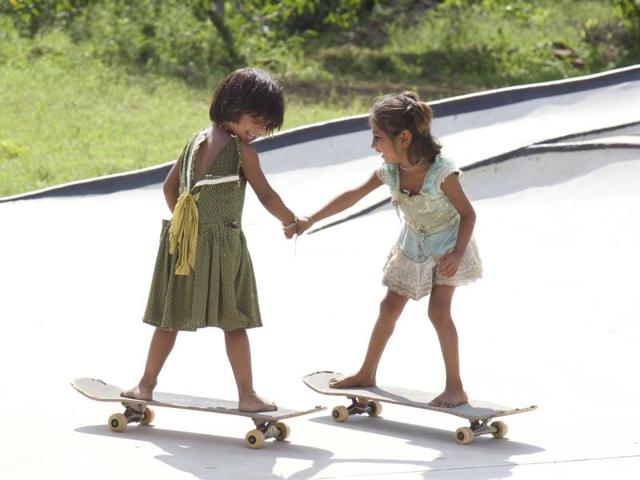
(564, 144)
(598, 131)
(558, 145)
(442, 108)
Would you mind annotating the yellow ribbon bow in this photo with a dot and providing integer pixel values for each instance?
(183, 233)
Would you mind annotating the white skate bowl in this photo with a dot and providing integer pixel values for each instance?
(553, 171)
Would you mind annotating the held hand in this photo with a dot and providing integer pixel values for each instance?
(304, 224)
(448, 264)
(290, 230)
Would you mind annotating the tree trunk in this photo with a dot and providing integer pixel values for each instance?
(216, 15)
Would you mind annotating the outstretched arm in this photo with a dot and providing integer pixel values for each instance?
(342, 202)
(268, 197)
(452, 188)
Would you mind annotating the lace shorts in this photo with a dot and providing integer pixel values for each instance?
(416, 280)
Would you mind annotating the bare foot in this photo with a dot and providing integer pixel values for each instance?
(357, 380)
(450, 398)
(255, 403)
(140, 393)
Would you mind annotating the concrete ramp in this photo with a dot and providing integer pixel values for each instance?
(553, 173)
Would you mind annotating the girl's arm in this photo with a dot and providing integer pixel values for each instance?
(268, 197)
(345, 200)
(454, 192)
(171, 186)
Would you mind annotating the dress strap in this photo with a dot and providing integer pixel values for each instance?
(238, 159)
(187, 159)
(183, 233)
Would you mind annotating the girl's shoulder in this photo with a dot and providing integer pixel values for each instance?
(193, 141)
(442, 167)
(387, 174)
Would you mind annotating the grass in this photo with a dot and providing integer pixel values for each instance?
(65, 114)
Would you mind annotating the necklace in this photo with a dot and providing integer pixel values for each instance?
(412, 168)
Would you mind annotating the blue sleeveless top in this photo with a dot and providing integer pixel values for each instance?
(430, 226)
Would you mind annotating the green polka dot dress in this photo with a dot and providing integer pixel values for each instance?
(221, 289)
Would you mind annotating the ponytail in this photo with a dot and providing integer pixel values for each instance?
(406, 111)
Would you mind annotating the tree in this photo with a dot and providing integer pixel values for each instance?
(215, 12)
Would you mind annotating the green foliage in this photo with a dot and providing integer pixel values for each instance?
(162, 37)
(33, 15)
(500, 43)
(11, 150)
(629, 10)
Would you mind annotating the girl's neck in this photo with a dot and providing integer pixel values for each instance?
(406, 166)
(223, 128)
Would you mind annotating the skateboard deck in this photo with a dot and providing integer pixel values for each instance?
(268, 424)
(368, 400)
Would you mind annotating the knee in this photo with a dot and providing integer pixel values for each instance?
(390, 309)
(439, 314)
(234, 334)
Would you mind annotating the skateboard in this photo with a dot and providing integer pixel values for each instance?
(369, 400)
(268, 424)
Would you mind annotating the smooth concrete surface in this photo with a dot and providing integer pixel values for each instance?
(554, 321)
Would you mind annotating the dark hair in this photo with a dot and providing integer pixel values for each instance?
(395, 113)
(251, 91)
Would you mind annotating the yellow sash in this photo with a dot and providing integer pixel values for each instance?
(183, 233)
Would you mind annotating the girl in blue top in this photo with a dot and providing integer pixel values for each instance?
(435, 251)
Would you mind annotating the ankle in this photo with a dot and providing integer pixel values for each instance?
(453, 385)
(147, 384)
(246, 392)
(366, 374)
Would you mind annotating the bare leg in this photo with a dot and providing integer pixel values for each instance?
(162, 343)
(390, 310)
(440, 315)
(239, 354)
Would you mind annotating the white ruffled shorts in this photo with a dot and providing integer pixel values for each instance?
(416, 280)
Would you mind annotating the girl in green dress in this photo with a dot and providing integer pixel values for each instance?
(203, 274)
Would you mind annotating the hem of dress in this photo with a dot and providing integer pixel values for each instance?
(157, 325)
(404, 293)
(457, 283)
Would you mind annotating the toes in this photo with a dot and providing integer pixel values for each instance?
(128, 394)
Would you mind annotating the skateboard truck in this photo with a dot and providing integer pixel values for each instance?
(133, 413)
(465, 435)
(358, 406)
(270, 429)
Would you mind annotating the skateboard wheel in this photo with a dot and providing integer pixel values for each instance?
(340, 413)
(375, 408)
(284, 430)
(464, 435)
(501, 429)
(117, 422)
(254, 439)
(147, 416)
